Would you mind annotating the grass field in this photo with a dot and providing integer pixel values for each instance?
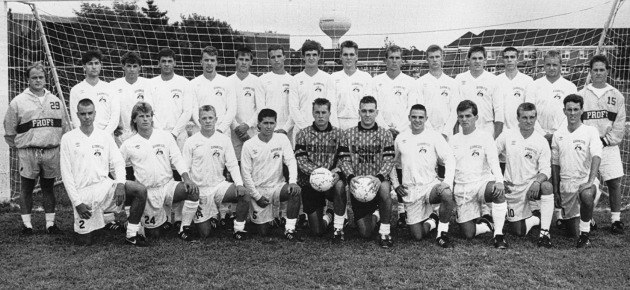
(54, 262)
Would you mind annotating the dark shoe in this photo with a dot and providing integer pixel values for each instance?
(214, 223)
(166, 226)
(402, 221)
(338, 237)
(617, 228)
(227, 223)
(53, 230)
(137, 240)
(177, 225)
(186, 235)
(26, 231)
(292, 236)
(443, 241)
(240, 236)
(302, 222)
(386, 242)
(116, 226)
(487, 222)
(489, 218)
(499, 242)
(583, 241)
(593, 225)
(560, 225)
(544, 241)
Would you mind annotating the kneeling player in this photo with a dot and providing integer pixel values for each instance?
(367, 150)
(575, 159)
(151, 153)
(261, 164)
(207, 154)
(528, 166)
(316, 147)
(87, 154)
(478, 177)
(418, 151)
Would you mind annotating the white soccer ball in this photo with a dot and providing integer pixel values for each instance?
(363, 192)
(322, 179)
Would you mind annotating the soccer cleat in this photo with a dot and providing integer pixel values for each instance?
(338, 236)
(167, 226)
(26, 231)
(583, 241)
(499, 242)
(302, 222)
(489, 218)
(560, 224)
(185, 235)
(402, 221)
(486, 221)
(214, 223)
(240, 235)
(292, 236)
(593, 225)
(436, 219)
(227, 223)
(53, 230)
(137, 240)
(177, 225)
(544, 241)
(386, 241)
(443, 241)
(617, 228)
(283, 222)
(116, 226)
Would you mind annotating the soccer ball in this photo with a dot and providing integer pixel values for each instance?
(363, 192)
(321, 179)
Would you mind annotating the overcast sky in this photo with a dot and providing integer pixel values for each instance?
(405, 22)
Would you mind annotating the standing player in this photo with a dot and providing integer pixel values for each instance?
(526, 174)
(367, 151)
(152, 152)
(349, 86)
(605, 109)
(575, 159)
(207, 155)
(34, 123)
(478, 177)
(512, 85)
(316, 146)
(418, 151)
(87, 155)
(261, 166)
(102, 94)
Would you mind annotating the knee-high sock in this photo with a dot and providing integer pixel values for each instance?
(177, 211)
(546, 211)
(189, 210)
(531, 222)
(498, 215)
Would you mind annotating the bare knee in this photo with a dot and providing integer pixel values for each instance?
(245, 197)
(546, 188)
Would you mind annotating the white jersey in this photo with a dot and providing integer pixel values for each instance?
(526, 158)
(206, 158)
(261, 163)
(395, 97)
(276, 90)
(482, 90)
(513, 93)
(106, 104)
(348, 91)
(220, 94)
(574, 151)
(86, 160)
(548, 99)
(419, 155)
(248, 100)
(309, 89)
(440, 96)
(130, 95)
(152, 158)
(173, 103)
(476, 157)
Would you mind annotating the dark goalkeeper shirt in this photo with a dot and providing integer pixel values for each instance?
(366, 152)
(314, 149)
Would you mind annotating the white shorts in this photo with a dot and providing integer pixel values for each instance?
(159, 203)
(469, 197)
(517, 202)
(417, 202)
(210, 198)
(100, 197)
(570, 197)
(259, 215)
(611, 167)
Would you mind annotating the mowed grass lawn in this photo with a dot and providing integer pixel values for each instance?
(54, 262)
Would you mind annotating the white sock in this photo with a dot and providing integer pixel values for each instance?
(177, 211)
(585, 227)
(327, 219)
(384, 230)
(498, 215)
(338, 222)
(50, 219)
(128, 211)
(189, 209)
(290, 226)
(531, 222)
(546, 211)
(239, 226)
(223, 210)
(377, 214)
(109, 217)
(431, 224)
(132, 229)
(442, 227)
(26, 219)
(401, 207)
(481, 228)
(615, 216)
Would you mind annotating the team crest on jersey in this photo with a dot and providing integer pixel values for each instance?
(318, 89)
(356, 89)
(423, 150)
(216, 154)
(529, 155)
(286, 89)
(176, 93)
(175, 96)
(578, 147)
(137, 146)
(444, 93)
(255, 151)
(398, 93)
(559, 138)
(475, 150)
(557, 96)
(159, 149)
(140, 97)
(219, 91)
(78, 144)
(517, 94)
(475, 153)
(513, 142)
(404, 141)
(276, 155)
(248, 93)
(97, 152)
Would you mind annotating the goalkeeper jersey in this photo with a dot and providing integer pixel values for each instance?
(607, 113)
(366, 152)
(314, 149)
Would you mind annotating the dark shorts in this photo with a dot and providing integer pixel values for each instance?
(176, 176)
(312, 199)
(130, 175)
(363, 209)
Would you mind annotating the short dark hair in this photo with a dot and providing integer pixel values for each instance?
(525, 107)
(599, 58)
(139, 107)
(207, 108)
(131, 57)
(434, 48)
(322, 102)
(275, 47)
(368, 100)
(90, 54)
(311, 45)
(392, 48)
(574, 98)
(349, 44)
(166, 52)
(477, 48)
(36, 65)
(511, 48)
(210, 50)
(418, 107)
(467, 104)
(267, 113)
(85, 102)
(243, 51)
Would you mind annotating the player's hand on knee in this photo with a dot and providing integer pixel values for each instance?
(499, 189)
(534, 190)
(241, 190)
(294, 189)
(120, 194)
(84, 211)
(262, 202)
(442, 187)
(401, 190)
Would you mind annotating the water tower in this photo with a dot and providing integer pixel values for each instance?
(335, 26)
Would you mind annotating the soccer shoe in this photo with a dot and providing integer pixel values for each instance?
(116, 226)
(275, 223)
(386, 242)
(544, 241)
(167, 226)
(177, 225)
(137, 240)
(53, 230)
(593, 225)
(486, 221)
(402, 221)
(338, 236)
(227, 223)
(214, 223)
(185, 235)
(617, 228)
(500, 242)
(436, 219)
(26, 231)
(443, 241)
(240, 235)
(283, 222)
(489, 218)
(302, 222)
(292, 236)
(560, 225)
(583, 241)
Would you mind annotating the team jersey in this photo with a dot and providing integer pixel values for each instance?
(548, 99)
(206, 158)
(152, 158)
(366, 152)
(574, 151)
(130, 95)
(173, 103)
(261, 163)
(248, 101)
(419, 154)
(315, 148)
(86, 160)
(309, 89)
(440, 96)
(476, 157)
(348, 91)
(513, 93)
(220, 94)
(395, 97)
(31, 123)
(276, 90)
(606, 112)
(526, 158)
(483, 91)
(106, 104)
